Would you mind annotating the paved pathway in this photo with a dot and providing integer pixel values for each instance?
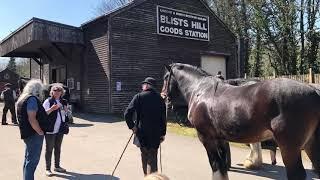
(95, 143)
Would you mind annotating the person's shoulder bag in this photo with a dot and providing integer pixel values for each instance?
(64, 126)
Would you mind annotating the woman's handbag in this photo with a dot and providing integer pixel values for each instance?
(64, 126)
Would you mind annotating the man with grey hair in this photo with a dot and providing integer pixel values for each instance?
(32, 124)
(150, 126)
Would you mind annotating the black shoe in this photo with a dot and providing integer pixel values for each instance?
(4, 123)
(15, 123)
(60, 169)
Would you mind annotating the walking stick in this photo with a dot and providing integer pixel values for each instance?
(121, 156)
(160, 160)
(161, 142)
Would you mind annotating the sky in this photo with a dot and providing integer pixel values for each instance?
(14, 13)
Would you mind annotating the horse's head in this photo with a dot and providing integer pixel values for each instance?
(170, 90)
(173, 96)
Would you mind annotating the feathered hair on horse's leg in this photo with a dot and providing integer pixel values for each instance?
(222, 161)
(254, 159)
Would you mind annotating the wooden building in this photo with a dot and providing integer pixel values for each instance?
(105, 59)
(8, 76)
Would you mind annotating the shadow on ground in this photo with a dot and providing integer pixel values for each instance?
(9, 124)
(269, 171)
(103, 118)
(81, 125)
(74, 175)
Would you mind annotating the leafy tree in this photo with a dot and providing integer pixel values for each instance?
(108, 5)
(23, 67)
(278, 35)
(12, 64)
(312, 34)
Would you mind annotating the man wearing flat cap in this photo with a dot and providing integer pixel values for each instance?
(9, 96)
(150, 124)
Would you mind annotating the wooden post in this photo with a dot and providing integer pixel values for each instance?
(310, 75)
(274, 74)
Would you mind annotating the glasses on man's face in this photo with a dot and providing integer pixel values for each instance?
(57, 90)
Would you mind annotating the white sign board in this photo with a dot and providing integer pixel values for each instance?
(177, 23)
(78, 86)
(70, 83)
(118, 86)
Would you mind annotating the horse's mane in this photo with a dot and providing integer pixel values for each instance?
(191, 68)
(240, 81)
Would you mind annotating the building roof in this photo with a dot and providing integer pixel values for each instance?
(34, 19)
(37, 34)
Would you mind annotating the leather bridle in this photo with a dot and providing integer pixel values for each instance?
(167, 86)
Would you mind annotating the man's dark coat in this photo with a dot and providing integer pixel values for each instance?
(151, 117)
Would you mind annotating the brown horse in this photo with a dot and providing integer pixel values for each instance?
(282, 108)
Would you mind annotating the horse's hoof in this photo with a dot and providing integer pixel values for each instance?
(248, 164)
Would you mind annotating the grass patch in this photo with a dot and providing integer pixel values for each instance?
(191, 132)
(181, 130)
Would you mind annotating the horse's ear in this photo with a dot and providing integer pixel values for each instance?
(168, 68)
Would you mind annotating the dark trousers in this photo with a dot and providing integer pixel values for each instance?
(149, 160)
(12, 109)
(53, 142)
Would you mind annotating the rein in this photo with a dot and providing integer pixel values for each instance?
(180, 119)
(167, 84)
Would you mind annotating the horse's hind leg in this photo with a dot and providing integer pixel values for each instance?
(293, 163)
(254, 159)
(227, 146)
(312, 149)
(291, 156)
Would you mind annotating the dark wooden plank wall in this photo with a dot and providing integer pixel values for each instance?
(71, 59)
(137, 50)
(47, 31)
(96, 68)
(8, 76)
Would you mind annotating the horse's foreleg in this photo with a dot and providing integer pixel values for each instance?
(254, 159)
(289, 140)
(217, 153)
(227, 145)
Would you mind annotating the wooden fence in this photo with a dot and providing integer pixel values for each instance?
(306, 78)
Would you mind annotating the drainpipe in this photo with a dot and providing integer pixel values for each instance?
(239, 57)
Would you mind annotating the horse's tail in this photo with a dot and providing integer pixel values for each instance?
(317, 132)
(317, 89)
